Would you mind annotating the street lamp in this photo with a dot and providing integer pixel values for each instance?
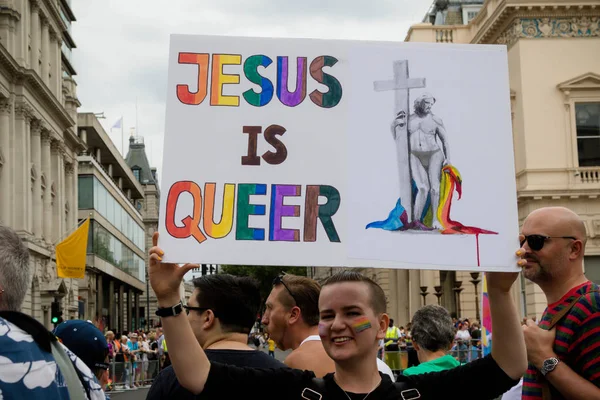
(457, 289)
(475, 281)
(424, 293)
(438, 293)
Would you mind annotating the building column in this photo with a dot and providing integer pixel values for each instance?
(21, 173)
(414, 279)
(121, 326)
(36, 158)
(6, 106)
(46, 170)
(34, 57)
(54, 69)
(60, 188)
(129, 306)
(100, 296)
(136, 310)
(58, 67)
(112, 314)
(74, 192)
(70, 223)
(56, 167)
(45, 51)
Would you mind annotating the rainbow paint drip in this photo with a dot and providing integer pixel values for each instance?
(450, 182)
(361, 324)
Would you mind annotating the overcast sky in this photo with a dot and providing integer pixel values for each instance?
(122, 45)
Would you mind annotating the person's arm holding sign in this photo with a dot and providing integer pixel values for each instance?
(189, 360)
(508, 350)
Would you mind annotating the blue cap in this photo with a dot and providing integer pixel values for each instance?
(85, 340)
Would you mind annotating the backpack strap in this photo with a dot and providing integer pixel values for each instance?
(73, 378)
(317, 390)
(546, 393)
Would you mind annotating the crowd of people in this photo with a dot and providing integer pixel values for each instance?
(334, 333)
(135, 357)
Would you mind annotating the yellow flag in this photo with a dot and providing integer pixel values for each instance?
(71, 253)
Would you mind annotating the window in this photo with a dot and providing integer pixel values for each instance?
(582, 114)
(469, 12)
(136, 173)
(86, 192)
(587, 122)
(113, 251)
(592, 268)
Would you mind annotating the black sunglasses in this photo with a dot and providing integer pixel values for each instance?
(278, 280)
(189, 308)
(536, 242)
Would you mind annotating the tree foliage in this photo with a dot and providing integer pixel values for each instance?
(263, 274)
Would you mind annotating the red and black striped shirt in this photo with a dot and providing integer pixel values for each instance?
(576, 342)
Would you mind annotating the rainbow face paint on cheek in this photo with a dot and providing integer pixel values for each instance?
(361, 324)
(322, 329)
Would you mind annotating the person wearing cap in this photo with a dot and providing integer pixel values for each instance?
(88, 343)
(134, 350)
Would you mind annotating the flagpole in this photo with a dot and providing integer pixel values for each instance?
(71, 231)
(122, 139)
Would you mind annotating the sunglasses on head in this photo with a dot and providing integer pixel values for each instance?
(278, 280)
(189, 308)
(536, 242)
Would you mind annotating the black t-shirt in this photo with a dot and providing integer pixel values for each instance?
(166, 385)
(484, 378)
(153, 356)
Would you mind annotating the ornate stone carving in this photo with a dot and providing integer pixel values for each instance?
(33, 173)
(45, 136)
(36, 127)
(69, 168)
(6, 106)
(47, 272)
(536, 28)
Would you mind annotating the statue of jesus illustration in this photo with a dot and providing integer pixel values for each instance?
(428, 154)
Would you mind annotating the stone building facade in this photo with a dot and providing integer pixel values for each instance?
(137, 160)
(39, 142)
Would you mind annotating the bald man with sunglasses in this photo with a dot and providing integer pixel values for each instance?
(563, 351)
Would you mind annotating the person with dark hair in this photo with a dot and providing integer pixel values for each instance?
(291, 318)
(353, 318)
(432, 336)
(221, 311)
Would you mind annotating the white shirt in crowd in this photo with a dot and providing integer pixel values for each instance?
(463, 335)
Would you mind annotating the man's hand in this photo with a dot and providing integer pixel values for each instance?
(539, 342)
(165, 278)
(500, 281)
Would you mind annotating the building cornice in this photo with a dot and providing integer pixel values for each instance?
(507, 16)
(10, 11)
(32, 81)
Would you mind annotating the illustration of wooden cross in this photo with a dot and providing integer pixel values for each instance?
(401, 84)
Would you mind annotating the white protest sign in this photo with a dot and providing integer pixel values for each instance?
(338, 153)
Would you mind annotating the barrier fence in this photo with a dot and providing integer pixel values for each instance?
(463, 351)
(129, 375)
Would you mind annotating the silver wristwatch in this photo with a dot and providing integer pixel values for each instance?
(549, 365)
